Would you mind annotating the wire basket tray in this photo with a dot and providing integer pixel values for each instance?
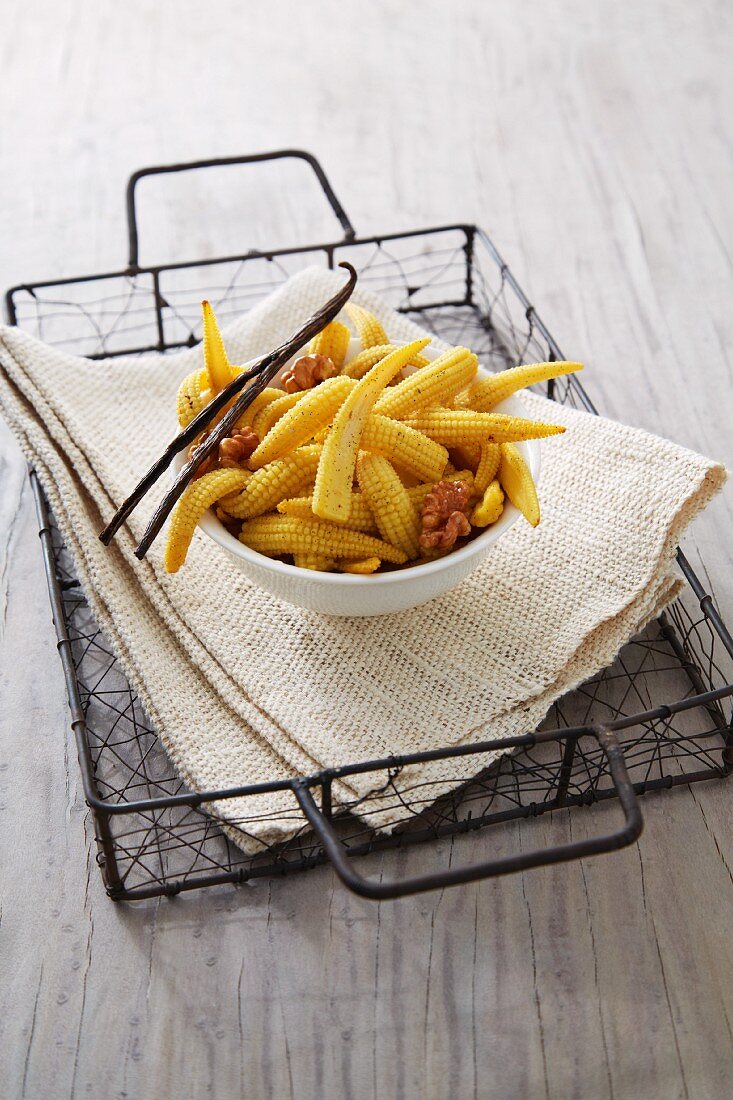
(656, 718)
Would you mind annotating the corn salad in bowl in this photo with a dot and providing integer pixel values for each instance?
(372, 476)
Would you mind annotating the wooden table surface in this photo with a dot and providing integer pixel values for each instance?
(595, 142)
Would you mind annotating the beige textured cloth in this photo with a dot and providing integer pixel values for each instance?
(245, 689)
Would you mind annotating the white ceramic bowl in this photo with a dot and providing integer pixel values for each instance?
(382, 593)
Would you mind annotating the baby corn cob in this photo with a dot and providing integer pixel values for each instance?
(488, 466)
(397, 518)
(332, 341)
(486, 393)
(216, 360)
(193, 395)
(268, 486)
(405, 446)
(516, 481)
(462, 400)
(360, 517)
(296, 506)
(338, 461)
(366, 359)
(463, 475)
(455, 426)
(309, 415)
(313, 561)
(261, 401)
(490, 507)
(271, 412)
(417, 493)
(368, 328)
(434, 384)
(275, 535)
(363, 567)
(199, 496)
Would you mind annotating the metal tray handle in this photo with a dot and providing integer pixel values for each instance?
(218, 162)
(368, 888)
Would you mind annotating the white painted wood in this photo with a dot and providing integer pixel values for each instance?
(594, 141)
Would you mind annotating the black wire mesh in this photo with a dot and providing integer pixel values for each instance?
(454, 283)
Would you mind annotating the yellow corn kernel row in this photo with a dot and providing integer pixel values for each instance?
(193, 395)
(275, 535)
(417, 493)
(300, 507)
(308, 416)
(313, 561)
(490, 507)
(216, 361)
(462, 400)
(271, 412)
(367, 358)
(338, 461)
(363, 568)
(488, 392)
(433, 385)
(397, 517)
(261, 401)
(369, 330)
(403, 445)
(332, 341)
(517, 482)
(195, 500)
(360, 517)
(456, 426)
(463, 475)
(268, 486)
(488, 466)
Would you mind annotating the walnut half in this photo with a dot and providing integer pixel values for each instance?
(444, 516)
(307, 372)
(232, 453)
(237, 447)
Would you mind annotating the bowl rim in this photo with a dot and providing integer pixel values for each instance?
(216, 531)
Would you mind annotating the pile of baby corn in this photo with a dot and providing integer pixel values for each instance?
(339, 476)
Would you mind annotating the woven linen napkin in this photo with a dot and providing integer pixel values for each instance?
(243, 688)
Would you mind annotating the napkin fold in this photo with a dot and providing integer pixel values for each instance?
(243, 688)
